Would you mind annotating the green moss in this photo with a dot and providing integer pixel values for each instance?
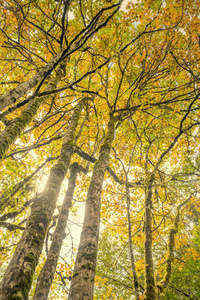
(71, 143)
(89, 256)
(24, 279)
(75, 274)
(36, 239)
(92, 228)
(30, 257)
(60, 169)
(16, 296)
(105, 146)
(88, 267)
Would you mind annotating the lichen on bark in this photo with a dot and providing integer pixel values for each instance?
(82, 282)
(170, 255)
(46, 275)
(150, 288)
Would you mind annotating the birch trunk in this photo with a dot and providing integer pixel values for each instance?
(17, 126)
(82, 283)
(18, 277)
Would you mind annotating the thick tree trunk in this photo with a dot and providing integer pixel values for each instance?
(45, 278)
(17, 126)
(18, 277)
(82, 283)
(150, 289)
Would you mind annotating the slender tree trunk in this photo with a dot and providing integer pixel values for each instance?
(18, 277)
(45, 278)
(82, 283)
(17, 126)
(170, 252)
(135, 278)
(150, 289)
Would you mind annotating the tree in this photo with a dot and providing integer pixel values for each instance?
(114, 95)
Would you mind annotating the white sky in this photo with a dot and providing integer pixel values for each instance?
(125, 2)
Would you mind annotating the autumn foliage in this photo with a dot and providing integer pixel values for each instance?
(99, 116)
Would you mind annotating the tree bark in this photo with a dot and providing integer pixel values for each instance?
(150, 289)
(13, 95)
(163, 284)
(135, 278)
(82, 283)
(45, 278)
(16, 126)
(18, 277)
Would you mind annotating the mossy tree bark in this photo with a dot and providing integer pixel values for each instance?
(45, 278)
(17, 125)
(135, 278)
(163, 284)
(150, 289)
(13, 95)
(82, 282)
(18, 277)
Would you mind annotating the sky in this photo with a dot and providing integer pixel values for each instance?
(125, 2)
(123, 7)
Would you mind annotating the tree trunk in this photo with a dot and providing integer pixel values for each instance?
(16, 93)
(82, 283)
(163, 284)
(18, 277)
(16, 126)
(150, 290)
(45, 278)
(135, 278)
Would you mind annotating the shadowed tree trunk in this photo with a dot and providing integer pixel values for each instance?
(82, 283)
(18, 277)
(150, 289)
(135, 278)
(170, 257)
(163, 284)
(45, 278)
